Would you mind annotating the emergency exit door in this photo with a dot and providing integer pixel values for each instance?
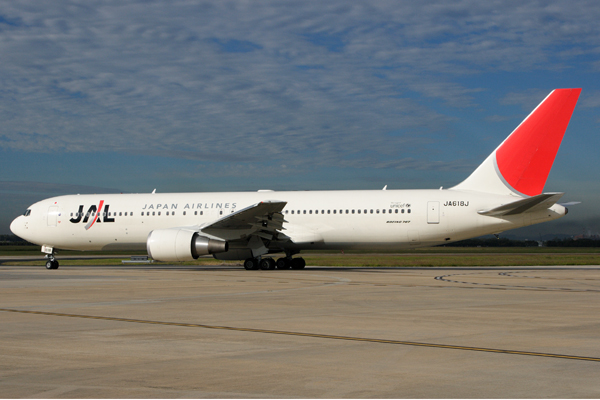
(52, 216)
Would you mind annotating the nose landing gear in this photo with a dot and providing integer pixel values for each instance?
(51, 262)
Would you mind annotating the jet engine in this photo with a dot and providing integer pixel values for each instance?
(181, 245)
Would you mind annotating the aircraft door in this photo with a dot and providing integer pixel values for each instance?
(433, 212)
(52, 216)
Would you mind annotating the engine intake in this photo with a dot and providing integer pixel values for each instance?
(181, 245)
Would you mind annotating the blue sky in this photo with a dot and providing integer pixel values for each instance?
(113, 96)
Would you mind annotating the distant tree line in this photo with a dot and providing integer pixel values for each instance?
(12, 240)
(573, 243)
(504, 242)
(493, 242)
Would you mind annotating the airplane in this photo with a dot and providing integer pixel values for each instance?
(504, 192)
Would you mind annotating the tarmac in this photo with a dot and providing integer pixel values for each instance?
(223, 332)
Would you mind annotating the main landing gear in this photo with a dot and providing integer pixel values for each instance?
(269, 263)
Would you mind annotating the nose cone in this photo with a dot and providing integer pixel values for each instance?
(17, 227)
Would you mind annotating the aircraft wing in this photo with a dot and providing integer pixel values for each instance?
(262, 219)
(527, 205)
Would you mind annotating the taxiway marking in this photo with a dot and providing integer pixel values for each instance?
(313, 335)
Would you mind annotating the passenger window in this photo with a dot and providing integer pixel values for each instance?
(322, 211)
(184, 212)
(304, 212)
(310, 211)
(328, 211)
(201, 212)
(334, 211)
(371, 211)
(408, 211)
(377, 211)
(292, 211)
(383, 211)
(396, 211)
(352, 211)
(220, 213)
(153, 213)
(142, 213)
(359, 211)
(120, 214)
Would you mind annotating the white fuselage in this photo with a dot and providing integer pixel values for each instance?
(382, 219)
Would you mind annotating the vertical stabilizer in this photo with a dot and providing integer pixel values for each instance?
(521, 164)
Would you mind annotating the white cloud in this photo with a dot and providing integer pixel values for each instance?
(28, 188)
(301, 82)
(527, 99)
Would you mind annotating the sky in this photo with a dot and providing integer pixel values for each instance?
(191, 96)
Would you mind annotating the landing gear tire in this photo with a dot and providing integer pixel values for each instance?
(251, 264)
(267, 263)
(298, 263)
(283, 263)
(51, 264)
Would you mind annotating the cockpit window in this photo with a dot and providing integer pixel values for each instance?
(27, 213)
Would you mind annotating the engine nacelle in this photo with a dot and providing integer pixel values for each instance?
(181, 245)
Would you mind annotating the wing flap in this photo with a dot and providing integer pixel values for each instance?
(528, 205)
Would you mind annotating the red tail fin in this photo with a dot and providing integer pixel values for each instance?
(521, 164)
(526, 156)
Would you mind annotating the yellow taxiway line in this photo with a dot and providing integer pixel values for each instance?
(313, 335)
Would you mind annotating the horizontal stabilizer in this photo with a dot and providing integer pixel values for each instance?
(571, 203)
(530, 204)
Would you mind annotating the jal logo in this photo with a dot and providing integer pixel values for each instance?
(92, 215)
